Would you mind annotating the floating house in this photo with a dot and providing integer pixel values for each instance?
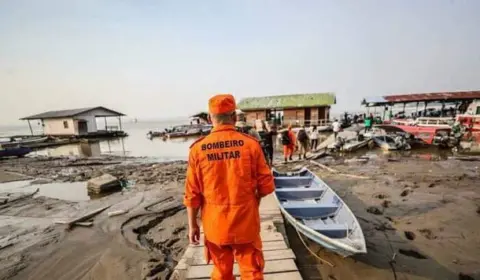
(296, 109)
(77, 122)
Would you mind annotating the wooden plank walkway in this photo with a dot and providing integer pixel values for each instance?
(279, 258)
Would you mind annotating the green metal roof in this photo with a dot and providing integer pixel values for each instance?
(287, 101)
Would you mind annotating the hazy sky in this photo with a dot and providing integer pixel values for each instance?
(160, 59)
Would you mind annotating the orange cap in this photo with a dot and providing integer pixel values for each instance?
(221, 104)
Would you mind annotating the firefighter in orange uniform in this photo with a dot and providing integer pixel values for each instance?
(227, 176)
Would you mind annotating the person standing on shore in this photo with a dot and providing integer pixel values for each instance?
(314, 138)
(368, 122)
(336, 128)
(288, 142)
(268, 139)
(227, 176)
(302, 138)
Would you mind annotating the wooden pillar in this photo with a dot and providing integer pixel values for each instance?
(30, 126)
(105, 119)
(120, 122)
(425, 109)
(405, 113)
(416, 110)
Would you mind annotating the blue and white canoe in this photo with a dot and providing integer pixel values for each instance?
(317, 212)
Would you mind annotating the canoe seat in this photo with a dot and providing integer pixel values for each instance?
(329, 230)
(292, 182)
(302, 210)
(298, 193)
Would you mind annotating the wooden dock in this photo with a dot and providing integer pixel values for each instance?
(279, 258)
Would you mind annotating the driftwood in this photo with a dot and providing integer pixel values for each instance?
(84, 224)
(117, 213)
(83, 218)
(336, 171)
(158, 201)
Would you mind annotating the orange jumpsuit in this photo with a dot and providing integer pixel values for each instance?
(226, 175)
(288, 149)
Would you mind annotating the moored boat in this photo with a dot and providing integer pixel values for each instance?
(427, 135)
(350, 144)
(24, 141)
(317, 212)
(388, 143)
(14, 151)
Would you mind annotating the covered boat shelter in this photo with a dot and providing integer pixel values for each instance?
(460, 100)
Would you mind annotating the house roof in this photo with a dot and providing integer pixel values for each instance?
(421, 97)
(72, 113)
(287, 101)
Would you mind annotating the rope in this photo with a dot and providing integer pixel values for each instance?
(311, 252)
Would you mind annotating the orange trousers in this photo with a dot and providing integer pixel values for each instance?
(288, 151)
(248, 256)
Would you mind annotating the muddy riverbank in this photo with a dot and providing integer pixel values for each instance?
(420, 220)
(144, 243)
(419, 217)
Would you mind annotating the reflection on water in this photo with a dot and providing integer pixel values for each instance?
(76, 191)
(137, 144)
(79, 150)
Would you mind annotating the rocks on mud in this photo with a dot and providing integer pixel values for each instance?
(381, 195)
(374, 210)
(386, 203)
(410, 235)
(406, 191)
(427, 233)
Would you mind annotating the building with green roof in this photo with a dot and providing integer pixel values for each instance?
(297, 109)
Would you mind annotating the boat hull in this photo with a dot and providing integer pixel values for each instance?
(318, 213)
(14, 152)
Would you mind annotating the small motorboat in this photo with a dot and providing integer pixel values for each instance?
(317, 212)
(349, 145)
(14, 151)
(388, 143)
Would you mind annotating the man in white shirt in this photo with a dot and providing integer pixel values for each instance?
(336, 128)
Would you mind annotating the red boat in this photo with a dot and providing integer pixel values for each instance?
(425, 133)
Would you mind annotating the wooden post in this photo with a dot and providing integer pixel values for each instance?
(425, 109)
(105, 119)
(120, 123)
(404, 104)
(416, 110)
(30, 126)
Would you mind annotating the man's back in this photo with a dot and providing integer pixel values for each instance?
(336, 126)
(228, 170)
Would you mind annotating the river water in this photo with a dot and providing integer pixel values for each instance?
(137, 144)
